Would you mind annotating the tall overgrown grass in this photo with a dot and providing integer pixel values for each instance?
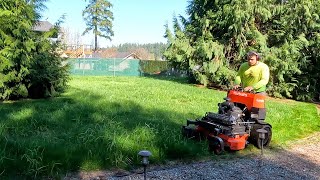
(103, 122)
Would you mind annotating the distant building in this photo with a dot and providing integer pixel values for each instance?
(124, 55)
(78, 51)
(115, 55)
(42, 26)
(45, 26)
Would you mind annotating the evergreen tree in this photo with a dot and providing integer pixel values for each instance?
(294, 37)
(213, 42)
(16, 45)
(49, 72)
(21, 48)
(98, 18)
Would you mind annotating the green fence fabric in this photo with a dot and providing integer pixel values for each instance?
(116, 67)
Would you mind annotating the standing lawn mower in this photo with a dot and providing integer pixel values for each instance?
(235, 125)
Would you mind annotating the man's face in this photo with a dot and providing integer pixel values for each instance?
(252, 60)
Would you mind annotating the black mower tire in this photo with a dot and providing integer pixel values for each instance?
(216, 145)
(254, 136)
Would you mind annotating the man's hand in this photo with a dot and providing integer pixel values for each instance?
(236, 86)
(249, 88)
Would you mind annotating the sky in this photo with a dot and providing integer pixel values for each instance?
(135, 21)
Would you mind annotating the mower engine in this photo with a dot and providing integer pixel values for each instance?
(236, 122)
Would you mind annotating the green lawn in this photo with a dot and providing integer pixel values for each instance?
(103, 122)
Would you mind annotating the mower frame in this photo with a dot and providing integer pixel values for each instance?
(215, 127)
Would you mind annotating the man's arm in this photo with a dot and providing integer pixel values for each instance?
(264, 78)
(238, 77)
(237, 80)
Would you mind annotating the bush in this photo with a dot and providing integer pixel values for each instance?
(30, 65)
(48, 72)
(289, 42)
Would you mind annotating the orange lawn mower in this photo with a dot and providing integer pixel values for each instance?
(239, 119)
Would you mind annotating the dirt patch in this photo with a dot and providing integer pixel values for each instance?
(200, 86)
(318, 109)
(308, 148)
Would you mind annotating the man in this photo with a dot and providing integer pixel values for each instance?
(253, 74)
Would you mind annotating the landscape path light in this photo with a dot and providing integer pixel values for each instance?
(262, 135)
(145, 161)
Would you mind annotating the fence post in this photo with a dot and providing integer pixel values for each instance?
(114, 67)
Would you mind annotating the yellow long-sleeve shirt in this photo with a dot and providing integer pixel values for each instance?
(256, 76)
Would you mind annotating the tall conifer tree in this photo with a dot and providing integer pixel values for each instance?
(98, 18)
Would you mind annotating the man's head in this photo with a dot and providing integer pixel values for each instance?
(253, 57)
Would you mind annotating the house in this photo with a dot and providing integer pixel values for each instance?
(117, 55)
(45, 26)
(78, 51)
(126, 55)
(42, 26)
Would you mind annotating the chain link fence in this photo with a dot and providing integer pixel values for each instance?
(118, 67)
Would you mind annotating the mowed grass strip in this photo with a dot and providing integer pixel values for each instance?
(103, 122)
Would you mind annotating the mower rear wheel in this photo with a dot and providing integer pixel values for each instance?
(216, 145)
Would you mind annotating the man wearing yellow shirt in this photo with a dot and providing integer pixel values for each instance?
(253, 74)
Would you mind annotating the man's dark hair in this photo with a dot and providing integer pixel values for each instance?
(250, 53)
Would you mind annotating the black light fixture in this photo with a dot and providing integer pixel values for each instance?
(145, 161)
(262, 135)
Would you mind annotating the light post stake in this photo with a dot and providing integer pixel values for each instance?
(262, 136)
(145, 161)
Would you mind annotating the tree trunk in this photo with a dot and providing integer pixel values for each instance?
(95, 39)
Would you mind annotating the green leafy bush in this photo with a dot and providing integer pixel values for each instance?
(153, 67)
(213, 42)
(48, 72)
(29, 62)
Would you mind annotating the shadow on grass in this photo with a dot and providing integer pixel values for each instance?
(53, 136)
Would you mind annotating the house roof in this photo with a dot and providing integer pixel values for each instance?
(42, 26)
(117, 55)
(125, 55)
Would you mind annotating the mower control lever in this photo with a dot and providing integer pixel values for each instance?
(242, 90)
(191, 122)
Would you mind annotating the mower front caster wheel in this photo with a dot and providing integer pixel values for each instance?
(216, 145)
